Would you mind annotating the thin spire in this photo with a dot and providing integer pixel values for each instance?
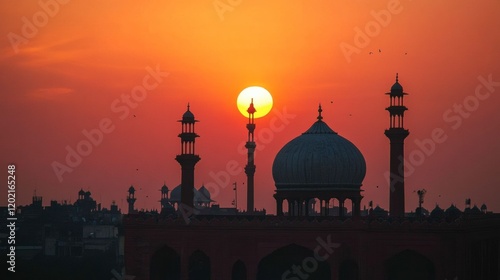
(397, 79)
(188, 106)
(319, 112)
(251, 109)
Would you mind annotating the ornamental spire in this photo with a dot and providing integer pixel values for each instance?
(251, 109)
(319, 112)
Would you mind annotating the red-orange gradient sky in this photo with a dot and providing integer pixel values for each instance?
(64, 65)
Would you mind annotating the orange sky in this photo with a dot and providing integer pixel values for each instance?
(64, 65)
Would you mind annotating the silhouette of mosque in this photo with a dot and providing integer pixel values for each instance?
(308, 238)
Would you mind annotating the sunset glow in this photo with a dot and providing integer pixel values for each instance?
(262, 100)
(126, 70)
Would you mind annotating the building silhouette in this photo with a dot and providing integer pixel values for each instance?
(318, 165)
(250, 167)
(396, 134)
(131, 200)
(63, 240)
(310, 238)
(187, 159)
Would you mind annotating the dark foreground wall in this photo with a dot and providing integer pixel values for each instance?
(271, 247)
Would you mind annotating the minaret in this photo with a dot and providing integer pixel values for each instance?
(396, 134)
(131, 199)
(187, 159)
(250, 167)
(164, 196)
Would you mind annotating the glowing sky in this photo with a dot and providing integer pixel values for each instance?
(68, 67)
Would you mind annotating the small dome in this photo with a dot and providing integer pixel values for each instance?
(164, 188)
(188, 116)
(437, 212)
(397, 87)
(319, 159)
(483, 207)
(453, 212)
(378, 212)
(131, 189)
(175, 194)
(81, 192)
(475, 210)
(204, 194)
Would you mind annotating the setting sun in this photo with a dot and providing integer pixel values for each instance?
(262, 100)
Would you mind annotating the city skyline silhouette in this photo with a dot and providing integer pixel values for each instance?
(94, 96)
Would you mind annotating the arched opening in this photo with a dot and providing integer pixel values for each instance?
(348, 270)
(410, 265)
(239, 271)
(348, 207)
(199, 266)
(316, 207)
(292, 261)
(165, 265)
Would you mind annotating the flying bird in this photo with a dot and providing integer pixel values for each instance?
(134, 116)
(379, 50)
(370, 53)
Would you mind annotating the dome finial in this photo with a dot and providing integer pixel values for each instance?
(188, 106)
(397, 79)
(319, 112)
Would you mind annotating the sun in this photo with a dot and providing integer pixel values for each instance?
(262, 101)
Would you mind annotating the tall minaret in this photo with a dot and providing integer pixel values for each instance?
(397, 134)
(131, 199)
(250, 167)
(187, 159)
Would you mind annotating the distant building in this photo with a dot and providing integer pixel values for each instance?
(66, 230)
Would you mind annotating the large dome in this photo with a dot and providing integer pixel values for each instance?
(319, 159)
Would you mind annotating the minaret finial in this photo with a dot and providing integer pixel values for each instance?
(319, 112)
(188, 106)
(397, 79)
(251, 109)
